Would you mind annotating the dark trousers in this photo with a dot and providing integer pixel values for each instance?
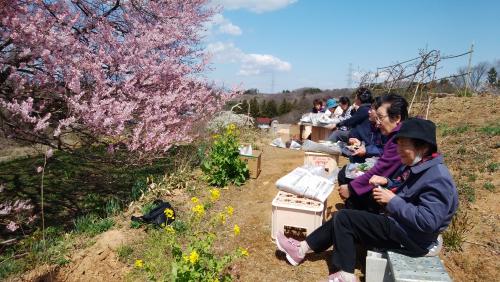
(348, 227)
(358, 202)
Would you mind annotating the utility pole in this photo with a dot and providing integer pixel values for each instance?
(272, 82)
(349, 76)
(467, 81)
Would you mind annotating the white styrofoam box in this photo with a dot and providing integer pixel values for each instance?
(377, 269)
(329, 162)
(296, 216)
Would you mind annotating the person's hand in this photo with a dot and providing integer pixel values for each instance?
(383, 196)
(344, 192)
(361, 151)
(354, 141)
(378, 181)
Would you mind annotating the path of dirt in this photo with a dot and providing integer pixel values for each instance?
(253, 209)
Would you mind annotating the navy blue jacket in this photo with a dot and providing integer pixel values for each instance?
(358, 117)
(425, 203)
(374, 140)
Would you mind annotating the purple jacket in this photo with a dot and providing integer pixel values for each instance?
(386, 166)
(425, 203)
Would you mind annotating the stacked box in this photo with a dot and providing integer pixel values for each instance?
(253, 163)
(320, 133)
(296, 216)
(329, 162)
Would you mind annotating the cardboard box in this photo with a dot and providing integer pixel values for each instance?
(296, 216)
(320, 133)
(253, 163)
(329, 162)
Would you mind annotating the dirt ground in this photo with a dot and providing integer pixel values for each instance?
(252, 202)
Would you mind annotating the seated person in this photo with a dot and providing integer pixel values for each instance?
(368, 134)
(331, 105)
(420, 208)
(343, 111)
(316, 106)
(363, 101)
(392, 111)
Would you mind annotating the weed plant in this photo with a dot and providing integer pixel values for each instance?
(223, 165)
(92, 224)
(454, 236)
(186, 249)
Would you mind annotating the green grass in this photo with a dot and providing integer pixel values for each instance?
(467, 191)
(92, 224)
(82, 189)
(491, 130)
(446, 130)
(124, 253)
(492, 167)
(32, 252)
(455, 235)
(489, 186)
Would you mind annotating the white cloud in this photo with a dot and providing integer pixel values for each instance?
(219, 24)
(230, 28)
(257, 6)
(250, 64)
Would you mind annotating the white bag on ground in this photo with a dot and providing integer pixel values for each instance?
(295, 146)
(311, 146)
(302, 182)
(278, 143)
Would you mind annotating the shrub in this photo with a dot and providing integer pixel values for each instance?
(185, 250)
(223, 165)
(92, 225)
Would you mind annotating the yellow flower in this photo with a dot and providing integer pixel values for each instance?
(214, 194)
(139, 263)
(244, 252)
(229, 210)
(199, 210)
(215, 136)
(222, 218)
(169, 213)
(194, 200)
(236, 230)
(170, 229)
(193, 257)
(215, 280)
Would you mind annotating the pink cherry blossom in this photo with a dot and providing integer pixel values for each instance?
(12, 226)
(123, 70)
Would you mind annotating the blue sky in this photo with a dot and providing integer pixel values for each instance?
(310, 43)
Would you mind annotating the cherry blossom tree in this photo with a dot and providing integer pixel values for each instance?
(111, 71)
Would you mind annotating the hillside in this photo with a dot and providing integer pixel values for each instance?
(469, 138)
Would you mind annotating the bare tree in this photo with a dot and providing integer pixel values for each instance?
(478, 76)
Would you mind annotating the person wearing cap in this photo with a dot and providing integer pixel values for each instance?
(331, 105)
(419, 204)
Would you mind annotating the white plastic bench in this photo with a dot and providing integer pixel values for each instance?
(390, 266)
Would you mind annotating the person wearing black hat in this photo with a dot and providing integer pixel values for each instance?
(419, 204)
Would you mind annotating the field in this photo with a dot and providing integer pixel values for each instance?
(468, 136)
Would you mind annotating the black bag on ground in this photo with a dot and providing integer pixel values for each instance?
(157, 214)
